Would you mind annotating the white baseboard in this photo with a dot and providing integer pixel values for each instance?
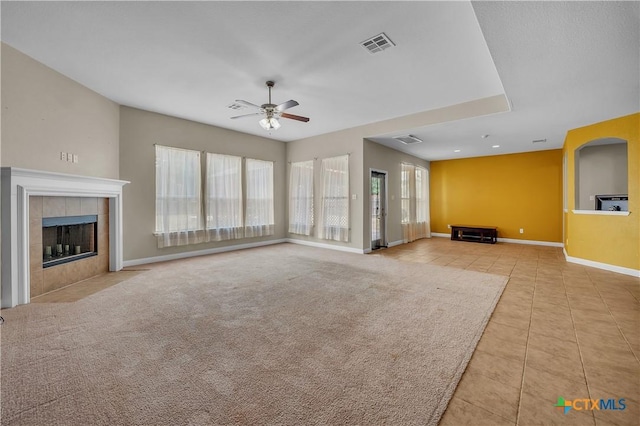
(395, 243)
(510, 240)
(186, 254)
(440, 235)
(392, 244)
(530, 242)
(325, 246)
(600, 265)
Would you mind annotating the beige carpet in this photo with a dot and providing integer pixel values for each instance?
(284, 334)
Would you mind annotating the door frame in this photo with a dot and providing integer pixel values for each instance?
(385, 242)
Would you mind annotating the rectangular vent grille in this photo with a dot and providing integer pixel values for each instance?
(539, 141)
(236, 106)
(408, 140)
(377, 43)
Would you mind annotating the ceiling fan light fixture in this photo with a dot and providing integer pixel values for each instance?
(270, 123)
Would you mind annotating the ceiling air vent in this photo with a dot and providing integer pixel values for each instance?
(408, 140)
(539, 141)
(377, 43)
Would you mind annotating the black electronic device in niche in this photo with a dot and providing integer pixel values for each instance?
(619, 203)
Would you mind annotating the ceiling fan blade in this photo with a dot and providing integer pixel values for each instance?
(294, 117)
(249, 104)
(247, 115)
(286, 105)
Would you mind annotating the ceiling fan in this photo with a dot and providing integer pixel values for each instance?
(271, 112)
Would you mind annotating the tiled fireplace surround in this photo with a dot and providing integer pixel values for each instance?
(58, 276)
(30, 195)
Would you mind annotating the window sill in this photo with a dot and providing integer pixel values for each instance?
(601, 212)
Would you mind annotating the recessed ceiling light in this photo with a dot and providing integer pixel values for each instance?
(456, 150)
(495, 146)
(484, 136)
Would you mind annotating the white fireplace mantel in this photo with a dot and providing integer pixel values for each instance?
(16, 186)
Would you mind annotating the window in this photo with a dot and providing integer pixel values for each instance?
(407, 171)
(259, 215)
(178, 197)
(301, 198)
(422, 194)
(415, 202)
(224, 197)
(335, 199)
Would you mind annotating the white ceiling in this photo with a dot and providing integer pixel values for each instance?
(562, 65)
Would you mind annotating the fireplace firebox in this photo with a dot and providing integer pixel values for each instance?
(69, 238)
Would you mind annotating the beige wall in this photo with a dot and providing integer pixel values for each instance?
(332, 145)
(353, 141)
(603, 170)
(139, 131)
(379, 157)
(44, 113)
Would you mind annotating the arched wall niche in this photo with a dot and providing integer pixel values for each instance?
(601, 169)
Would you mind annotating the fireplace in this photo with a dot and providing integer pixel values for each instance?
(68, 239)
(22, 244)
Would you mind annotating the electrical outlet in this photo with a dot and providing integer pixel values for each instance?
(63, 156)
(449, 226)
(522, 230)
(592, 197)
(354, 196)
(75, 158)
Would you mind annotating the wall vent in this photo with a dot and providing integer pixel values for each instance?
(539, 141)
(408, 140)
(377, 44)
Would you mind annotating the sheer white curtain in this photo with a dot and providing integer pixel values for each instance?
(301, 198)
(259, 212)
(423, 226)
(415, 203)
(178, 197)
(224, 197)
(334, 212)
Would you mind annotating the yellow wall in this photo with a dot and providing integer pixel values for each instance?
(508, 191)
(614, 240)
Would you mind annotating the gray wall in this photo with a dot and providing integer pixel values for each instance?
(602, 170)
(44, 113)
(379, 157)
(139, 131)
(364, 155)
(325, 146)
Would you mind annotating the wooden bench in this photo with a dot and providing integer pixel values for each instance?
(478, 234)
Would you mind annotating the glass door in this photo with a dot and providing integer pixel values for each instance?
(378, 209)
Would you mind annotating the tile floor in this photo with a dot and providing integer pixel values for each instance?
(82, 289)
(559, 330)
